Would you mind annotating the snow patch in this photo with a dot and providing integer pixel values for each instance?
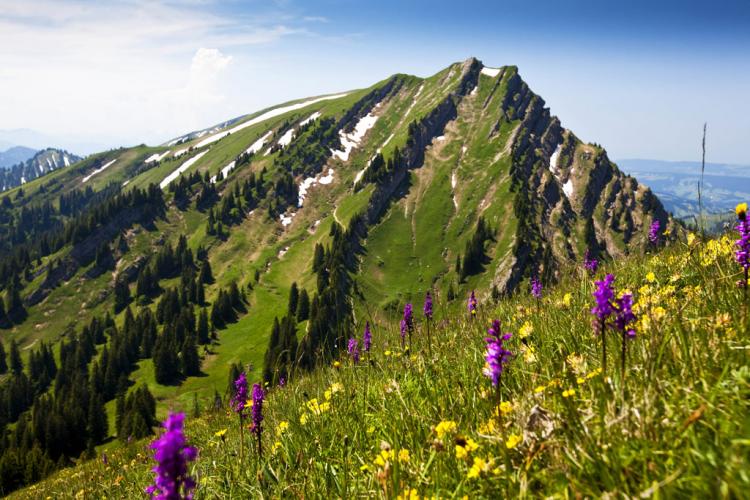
(126, 183)
(98, 170)
(283, 251)
(453, 180)
(491, 72)
(23, 180)
(351, 140)
(568, 188)
(286, 138)
(66, 160)
(464, 149)
(265, 116)
(310, 118)
(304, 186)
(186, 165)
(254, 148)
(287, 219)
(416, 96)
(157, 157)
(554, 158)
(440, 138)
(180, 152)
(474, 90)
(328, 178)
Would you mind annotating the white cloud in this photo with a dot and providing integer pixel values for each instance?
(126, 71)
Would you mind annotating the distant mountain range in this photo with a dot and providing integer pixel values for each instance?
(15, 155)
(676, 184)
(37, 164)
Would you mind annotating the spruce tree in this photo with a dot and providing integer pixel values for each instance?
(16, 364)
(3, 361)
(303, 308)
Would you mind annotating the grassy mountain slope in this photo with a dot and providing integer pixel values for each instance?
(675, 425)
(471, 142)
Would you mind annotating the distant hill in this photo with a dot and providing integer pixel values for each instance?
(40, 163)
(15, 155)
(676, 184)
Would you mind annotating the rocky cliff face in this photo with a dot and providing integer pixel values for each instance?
(573, 198)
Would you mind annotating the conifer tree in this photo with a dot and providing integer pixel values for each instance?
(16, 364)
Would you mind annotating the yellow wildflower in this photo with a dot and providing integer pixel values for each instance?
(580, 380)
(282, 427)
(513, 441)
(651, 277)
(575, 361)
(275, 446)
(568, 393)
(741, 210)
(303, 418)
(384, 457)
(503, 408)
(488, 427)
(659, 313)
(539, 389)
(445, 427)
(403, 456)
(221, 433)
(371, 429)
(480, 465)
(525, 330)
(409, 494)
(690, 239)
(529, 353)
(387, 353)
(566, 299)
(463, 450)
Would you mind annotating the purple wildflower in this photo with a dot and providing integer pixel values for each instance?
(653, 232)
(257, 410)
(172, 455)
(427, 309)
(590, 263)
(353, 349)
(407, 324)
(282, 381)
(496, 354)
(603, 310)
(536, 288)
(105, 460)
(742, 254)
(367, 338)
(624, 314)
(494, 330)
(239, 400)
(603, 295)
(472, 304)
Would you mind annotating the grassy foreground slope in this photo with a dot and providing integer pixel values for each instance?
(430, 423)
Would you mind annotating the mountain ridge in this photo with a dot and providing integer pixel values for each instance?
(177, 262)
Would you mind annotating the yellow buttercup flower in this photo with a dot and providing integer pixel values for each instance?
(403, 456)
(488, 427)
(513, 441)
(568, 393)
(503, 408)
(336, 364)
(409, 494)
(221, 433)
(539, 389)
(384, 457)
(651, 277)
(303, 418)
(566, 299)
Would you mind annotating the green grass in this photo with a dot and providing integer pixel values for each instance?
(675, 426)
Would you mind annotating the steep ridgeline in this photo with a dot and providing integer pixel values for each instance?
(40, 164)
(264, 241)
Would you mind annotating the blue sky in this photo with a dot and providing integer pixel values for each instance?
(637, 77)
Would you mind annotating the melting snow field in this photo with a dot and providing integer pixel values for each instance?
(491, 72)
(454, 181)
(474, 90)
(359, 175)
(98, 170)
(265, 116)
(254, 148)
(287, 219)
(168, 179)
(351, 140)
(66, 160)
(156, 157)
(286, 138)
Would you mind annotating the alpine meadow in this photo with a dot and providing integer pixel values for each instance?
(428, 287)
